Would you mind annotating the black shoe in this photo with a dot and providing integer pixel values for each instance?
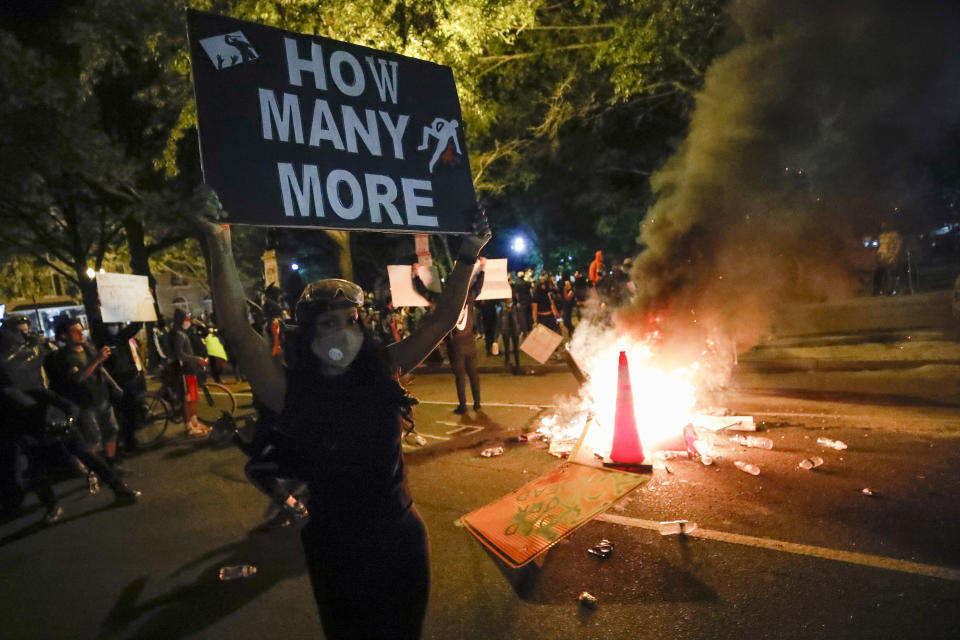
(53, 515)
(124, 495)
(476, 406)
(462, 409)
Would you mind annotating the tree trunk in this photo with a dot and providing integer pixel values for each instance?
(91, 304)
(140, 264)
(345, 256)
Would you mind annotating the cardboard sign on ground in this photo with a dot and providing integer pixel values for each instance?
(531, 519)
(541, 343)
(125, 298)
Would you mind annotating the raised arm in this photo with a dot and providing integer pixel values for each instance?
(252, 352)
(407, 354)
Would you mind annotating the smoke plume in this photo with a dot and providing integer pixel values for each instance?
(807, 134)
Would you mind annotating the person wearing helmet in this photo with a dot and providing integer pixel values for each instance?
(341, 412)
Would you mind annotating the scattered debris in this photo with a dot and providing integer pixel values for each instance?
(676, 527)
(867, 492)
(588, 600)
(833, 444)
(670, 455)
(602, 549)
(706, 460)
(522, 437)
(237, 571)
(810, 463)
(754, 442)
(458, 523)
(746, 467)
(492, 452)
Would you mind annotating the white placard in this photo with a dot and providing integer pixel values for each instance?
(495, 283)
(496, 286)
(125, 298)
(401, 284)
(541, 343)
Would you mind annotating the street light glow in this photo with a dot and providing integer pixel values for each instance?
(295, 267)
(519, 244)
(91, 273)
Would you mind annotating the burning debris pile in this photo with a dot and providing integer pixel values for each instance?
(629, 378)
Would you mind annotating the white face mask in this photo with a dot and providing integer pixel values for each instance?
(339, 348)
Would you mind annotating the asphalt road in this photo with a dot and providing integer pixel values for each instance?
(786, 554)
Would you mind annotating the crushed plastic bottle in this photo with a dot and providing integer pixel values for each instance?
(867, 491)
(602, 549)
(237, 571)
(754, 442)
(492, 452)
(676, 527)
(93, 483)
(810, 463)
(746, 467)
(706, 460)
(588, 600)
(833, 444)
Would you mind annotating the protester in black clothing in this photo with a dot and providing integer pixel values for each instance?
(489, 312)
(24, 403)
(126, 369)
(341, 413)
(523, 295)
(545, 310)
(76, 372)
(510, 330)
(463, 348)
(187, 364)
(568, 301)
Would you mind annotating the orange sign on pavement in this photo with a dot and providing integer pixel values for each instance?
(536, 516)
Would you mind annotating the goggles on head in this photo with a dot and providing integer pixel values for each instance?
(326, 295)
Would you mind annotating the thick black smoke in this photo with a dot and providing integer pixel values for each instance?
(806, 135)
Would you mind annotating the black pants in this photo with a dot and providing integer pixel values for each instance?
(549, 321)
(511, 343)
(463, 359)
(128, 408)
(369, 581)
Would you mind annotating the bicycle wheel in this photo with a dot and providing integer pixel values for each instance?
(153, 420)
(215, 400)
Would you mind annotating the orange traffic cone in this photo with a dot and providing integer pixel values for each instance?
(626, 449)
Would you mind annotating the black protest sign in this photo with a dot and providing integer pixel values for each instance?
(306, 131)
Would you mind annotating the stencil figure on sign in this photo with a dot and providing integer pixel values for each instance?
(242, 46)
(445, 131)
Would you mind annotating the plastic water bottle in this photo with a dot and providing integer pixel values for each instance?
(810, 463)
(833, 444)
(755, 442)
(237, 571)
(746, 467)
(93, 483)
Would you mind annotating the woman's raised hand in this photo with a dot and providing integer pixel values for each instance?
(475, 241)
(206, 211)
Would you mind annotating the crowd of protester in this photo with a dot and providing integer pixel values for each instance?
(71, 405)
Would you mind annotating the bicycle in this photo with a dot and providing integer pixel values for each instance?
(160, 408)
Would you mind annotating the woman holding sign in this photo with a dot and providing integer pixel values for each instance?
(341, 415)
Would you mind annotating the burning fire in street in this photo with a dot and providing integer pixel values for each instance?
(666, 397)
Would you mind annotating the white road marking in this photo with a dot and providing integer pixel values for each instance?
(852, 557)
(430, 435)
(461, 428)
